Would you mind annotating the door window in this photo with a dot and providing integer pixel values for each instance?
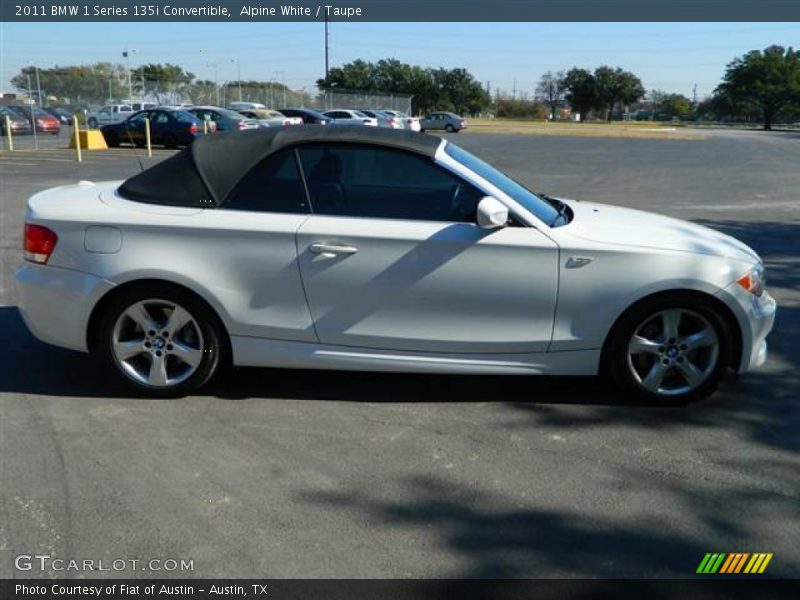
(374, 182)
(273, 185)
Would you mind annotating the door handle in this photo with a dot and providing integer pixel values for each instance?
(330, 250)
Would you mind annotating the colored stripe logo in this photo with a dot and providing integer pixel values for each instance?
(734, 562)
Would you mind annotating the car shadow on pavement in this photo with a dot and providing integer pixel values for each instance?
(38, 368)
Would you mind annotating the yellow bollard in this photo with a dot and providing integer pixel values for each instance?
(205, 126)
(76, 133)
(147, 137)
(8, 134)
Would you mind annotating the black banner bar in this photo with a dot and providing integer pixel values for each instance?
(732, 588)
(144, 11)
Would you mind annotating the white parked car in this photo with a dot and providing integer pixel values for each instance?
(108, 114)
(351, 117)
(411, 123)
(382, 250)
(270, 118)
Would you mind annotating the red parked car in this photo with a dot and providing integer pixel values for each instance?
(43, 121)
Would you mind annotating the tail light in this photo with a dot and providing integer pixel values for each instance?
(286, 122)
(241, 125)
(410, 121)
(463, 123)
(193, 128)
(39, 243)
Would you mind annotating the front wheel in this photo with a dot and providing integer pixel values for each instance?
(160, 341)
(669, 351)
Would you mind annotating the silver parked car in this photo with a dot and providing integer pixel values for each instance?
(444, 121)
(226, 120)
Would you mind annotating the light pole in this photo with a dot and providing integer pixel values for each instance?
(127, 55)
(216, 79)
(280, 76)
(239, 75)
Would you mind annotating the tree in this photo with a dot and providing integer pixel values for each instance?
(165, 82)
(77, 84)
(443, 89)
(616, 86)
(580, 91)
(769, 80)
(550, 90)
(668, 106)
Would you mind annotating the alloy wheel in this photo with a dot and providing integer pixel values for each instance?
(157, 343)
(673, 352)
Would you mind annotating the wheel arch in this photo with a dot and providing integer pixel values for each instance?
(100, 307)
(723, 310)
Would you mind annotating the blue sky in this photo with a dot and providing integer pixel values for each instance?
(667, 56)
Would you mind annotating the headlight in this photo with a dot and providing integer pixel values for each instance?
(753, 281)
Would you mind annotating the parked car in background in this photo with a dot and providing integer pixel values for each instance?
(239, 106)
(410, 122)
(137, 106)
(309, 117)
(384, 118)
(168, 127)
(226, 120)
(110, 113)
(445, 121)
(43, 121)
(63, 115)
(351, 117)
(19, 125)
(270, 118)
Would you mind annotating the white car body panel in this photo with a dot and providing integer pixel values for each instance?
(416, 296)
(428, 285)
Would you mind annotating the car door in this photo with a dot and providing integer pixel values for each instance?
(133, 129)
(391, 258)
(248, 255)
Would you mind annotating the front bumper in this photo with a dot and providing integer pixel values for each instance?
(56, 303)
(756, 316)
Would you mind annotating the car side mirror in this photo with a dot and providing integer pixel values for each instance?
(492, 213)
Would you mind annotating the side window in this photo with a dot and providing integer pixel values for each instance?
(359, 180)
(273, 185)
(159, 117)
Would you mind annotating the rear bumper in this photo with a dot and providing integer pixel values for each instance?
(756, 316)
(56, 303)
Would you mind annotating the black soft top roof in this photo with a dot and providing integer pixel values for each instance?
(203, 174)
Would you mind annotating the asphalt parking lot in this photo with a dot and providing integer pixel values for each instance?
(286, 474)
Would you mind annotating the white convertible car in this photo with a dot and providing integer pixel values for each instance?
(374, 249)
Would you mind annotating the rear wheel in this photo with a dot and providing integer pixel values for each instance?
(161, 341)
(449, 128)
(669, 350)
(112, 139)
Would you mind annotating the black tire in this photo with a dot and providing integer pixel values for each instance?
(630, 371)
(170, 141)
(112, 139)
(449, 128)
(214, 346)
(92, 123)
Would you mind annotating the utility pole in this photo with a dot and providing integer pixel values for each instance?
(694, 95)
(514, 91)
(33, 118)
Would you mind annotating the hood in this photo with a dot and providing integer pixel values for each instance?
(609, 224)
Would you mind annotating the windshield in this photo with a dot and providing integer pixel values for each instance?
(543, 210)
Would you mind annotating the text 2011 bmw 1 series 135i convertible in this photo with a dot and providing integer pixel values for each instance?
(375, 249)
